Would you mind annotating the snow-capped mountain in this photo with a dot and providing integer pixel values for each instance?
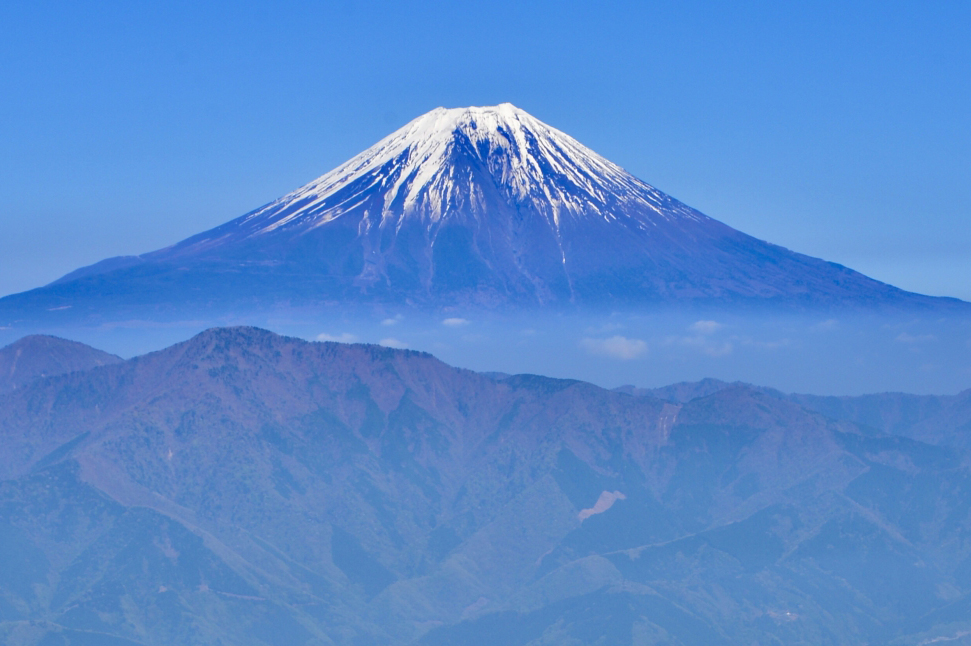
(456, 164)
(480, 206)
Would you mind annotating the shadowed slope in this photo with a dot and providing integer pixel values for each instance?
(260, 489)
(468, 207)
(37, 356)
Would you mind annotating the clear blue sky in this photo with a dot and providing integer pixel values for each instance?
(838, 129)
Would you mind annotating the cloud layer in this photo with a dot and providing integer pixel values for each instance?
(616, 347)
(344, 337)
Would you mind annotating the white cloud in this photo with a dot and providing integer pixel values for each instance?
(823, 326)
(903, 337)
(606, 328)
(393, 343)
(717, 350)
(345, 337)
(765, 345)
(455, 322)
(705, 327)
(392, 321)
(617, 347)
(702, 344)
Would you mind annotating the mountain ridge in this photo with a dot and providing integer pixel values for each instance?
(468, 207)
(37, 356)
(278, 491)
(941, 420)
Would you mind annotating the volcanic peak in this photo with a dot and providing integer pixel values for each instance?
(460, 160)
(469, 207)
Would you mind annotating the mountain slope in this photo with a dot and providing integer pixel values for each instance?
(37, 356)
(263, 490)
(941, 420)
(485, 207)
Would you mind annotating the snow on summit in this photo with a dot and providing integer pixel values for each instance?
(437, 163)
(479, 206)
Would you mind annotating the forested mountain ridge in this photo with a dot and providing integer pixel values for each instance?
(248, 488)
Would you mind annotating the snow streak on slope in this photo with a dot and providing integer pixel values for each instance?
(479, 207)
(429, 166)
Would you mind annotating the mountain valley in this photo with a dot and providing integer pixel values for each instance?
(247, 488)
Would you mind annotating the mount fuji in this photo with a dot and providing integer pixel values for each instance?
(467, 207)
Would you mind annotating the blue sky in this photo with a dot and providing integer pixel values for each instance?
(838, 129)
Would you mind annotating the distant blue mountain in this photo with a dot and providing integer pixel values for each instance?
(257, 490)
(469, 207)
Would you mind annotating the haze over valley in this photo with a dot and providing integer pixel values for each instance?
(499, 243)
(247, 487)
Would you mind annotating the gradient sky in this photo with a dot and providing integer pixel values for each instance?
(838, 129)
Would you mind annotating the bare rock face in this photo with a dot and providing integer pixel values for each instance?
(36, 356)
(471, 207)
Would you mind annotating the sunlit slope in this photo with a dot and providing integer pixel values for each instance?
(486, 207)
